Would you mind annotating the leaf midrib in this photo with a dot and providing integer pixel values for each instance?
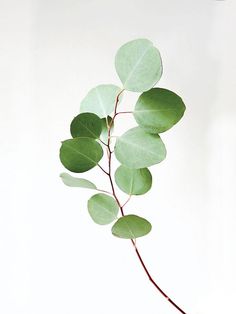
(111, 212)
(154, 110)
(78, 182)
(137, 63)
(139, 146)
(75, 150)
(88, 129)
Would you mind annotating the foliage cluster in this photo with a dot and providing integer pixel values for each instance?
(139, 66)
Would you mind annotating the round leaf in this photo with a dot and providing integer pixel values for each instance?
(80, 154)
(138, 65)
(137, 149)
(131, 227)
(86, 125)
(104, 134)
(133, 181)
(77, 182)
(158, 109)
(102, 208)
(100, 100)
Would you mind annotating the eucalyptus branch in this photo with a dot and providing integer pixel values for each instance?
(122, 213)
(139, 67)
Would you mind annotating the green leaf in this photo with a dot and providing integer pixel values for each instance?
(100, 100)
(133, 181)
(77, 182)
(80, 154)
(102, 208)
(131, 227)
(138, 65)
(137, 149)
(104, 134)
(86, 125)
(158, 109)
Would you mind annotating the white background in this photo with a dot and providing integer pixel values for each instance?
(53, 258)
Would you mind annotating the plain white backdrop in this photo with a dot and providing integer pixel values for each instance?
(53, 258)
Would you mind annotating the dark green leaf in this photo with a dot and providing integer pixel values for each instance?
(80, 154)
(158, 109)
(131, 227)
(86, 125)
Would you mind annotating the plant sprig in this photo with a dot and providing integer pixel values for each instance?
(139, 66)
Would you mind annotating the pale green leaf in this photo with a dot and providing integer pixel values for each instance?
(100, 100)
(80, 154)
(77, 182)
(86, 125)
(137, 149)
(102, 208)
(138, 65)
(105, 122)
(131, 227)
(133, 181)
(158, 109)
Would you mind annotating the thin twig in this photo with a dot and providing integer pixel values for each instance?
(104, 191)
(102, 142)
(152, 280)
(103, 169)
(127, 201)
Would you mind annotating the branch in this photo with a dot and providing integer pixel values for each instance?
(122, 211)
(103, 169)
(102, 142)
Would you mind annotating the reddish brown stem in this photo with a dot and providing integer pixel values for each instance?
(122, 210)
(152, 280)
(103, 169)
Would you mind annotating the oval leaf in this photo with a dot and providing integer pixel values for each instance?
(77, 182)
(100, 100)
(138, 65)
(158, 109)
(137, 149)
(133, 181)
(86, 125)
(102, 208)
(131, 227)
(80, 154)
